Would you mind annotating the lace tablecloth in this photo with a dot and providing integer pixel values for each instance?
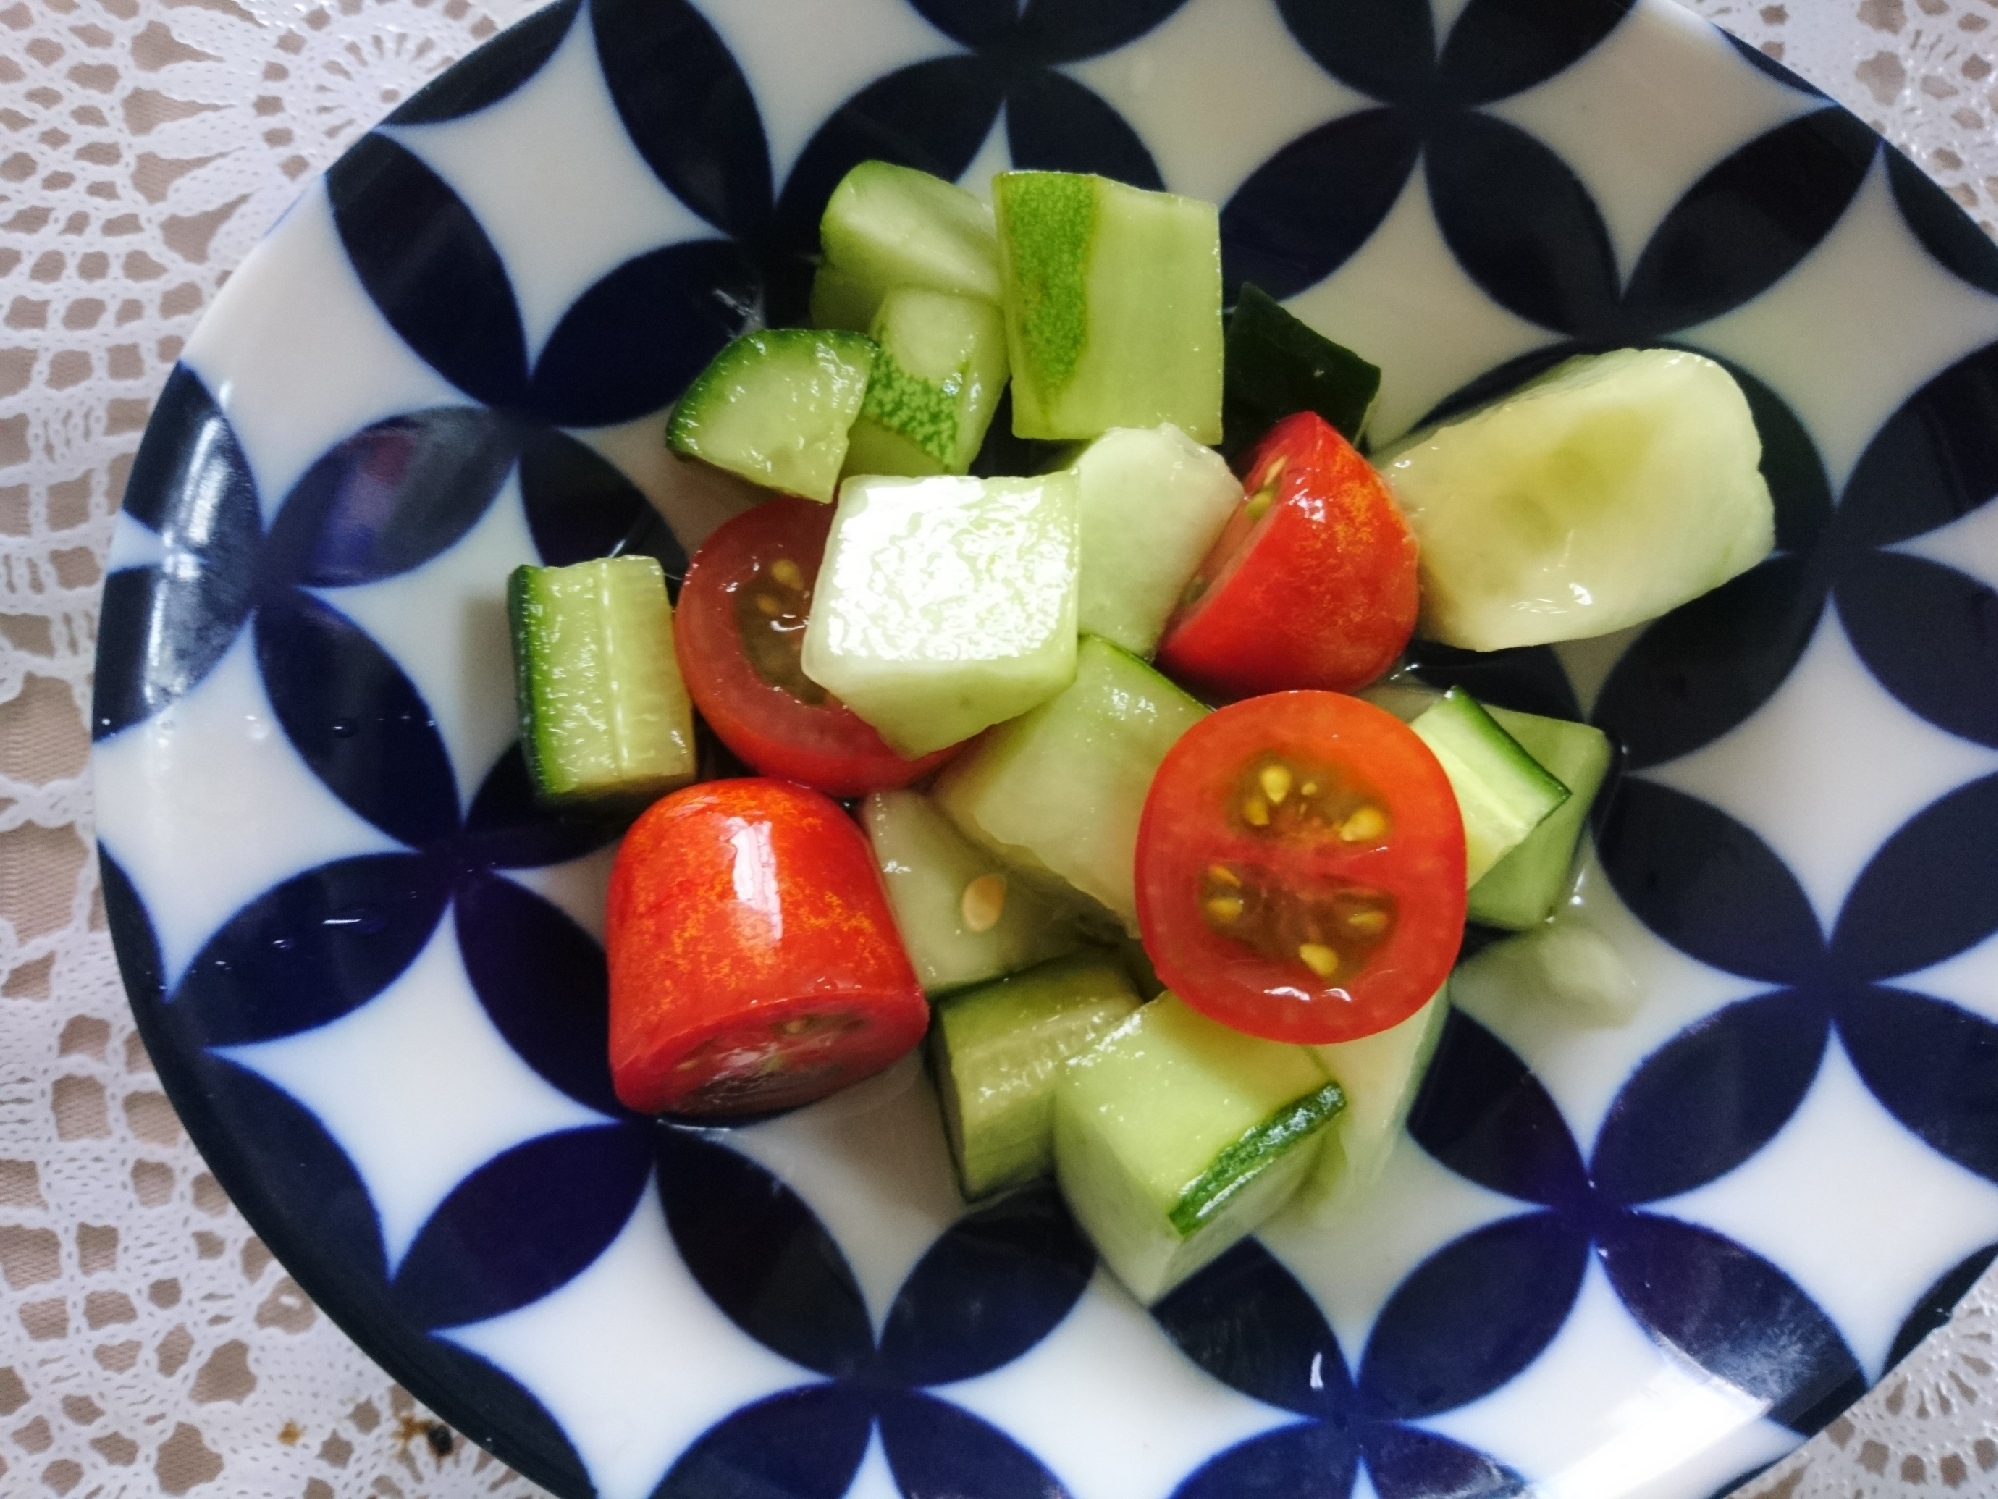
(148, 1342)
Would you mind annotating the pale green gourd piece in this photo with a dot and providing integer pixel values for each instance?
(945, 605)
(1611, 490)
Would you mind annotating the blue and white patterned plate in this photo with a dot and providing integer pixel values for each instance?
(1609, 1260)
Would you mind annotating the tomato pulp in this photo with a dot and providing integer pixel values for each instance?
(1312, 583)
(738, 630)
(1301, 868)
(754, 963)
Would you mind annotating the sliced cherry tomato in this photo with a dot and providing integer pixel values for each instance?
(738, 630)
(1301, 868)
(1312, 583)
(754, 964)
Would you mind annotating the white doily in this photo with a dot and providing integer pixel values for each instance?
(148, 1343)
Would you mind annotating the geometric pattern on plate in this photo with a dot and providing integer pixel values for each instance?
(244, 560)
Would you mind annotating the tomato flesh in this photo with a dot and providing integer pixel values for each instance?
(1312, 583)
(738, 630)
(754, 963)
(1301, 868)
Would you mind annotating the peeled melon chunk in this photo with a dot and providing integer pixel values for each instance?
(1380, 1076)
(1060, 790)
(1153, 501)
(945, 605)
(887, 226)
(1610, 490)
(1113, 306)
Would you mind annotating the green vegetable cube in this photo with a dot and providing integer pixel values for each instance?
(946, 605)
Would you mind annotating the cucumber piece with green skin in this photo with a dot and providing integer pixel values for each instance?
(776, 406)
(935, 384)
(997, 1053)
(1175, 1136)
(886, 226)
(1612, 489)
(1061, 789)
(1380, 1076)
(1153, 501)
(840, 300)
(1521, 890)
(1113, 306)
(962, 919)
(1502, 791)
(1278, 365)
(604, 715)
(945, 605)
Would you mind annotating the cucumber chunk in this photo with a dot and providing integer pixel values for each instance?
(604, 715)
(775, 407)
(1175, 1136)
(935, 385)
(1278, 365)
(1153, 501)
(1502, 791)
(1522, 888)
(961, 918)
(1113, 306)
(1061, 789)
(887, 226)
(1612, 489)
(1564, 964)
(945, 605)
(840, 300)
(997, 1053)
(1380, 1076)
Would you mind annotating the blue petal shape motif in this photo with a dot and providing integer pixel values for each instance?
(1246, 1321)
(998, 1281)
(164, 627)
(523, 1224)
(1720, 1304)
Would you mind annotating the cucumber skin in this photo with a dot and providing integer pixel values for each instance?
(1277, 365)
(525, 610)
(1242, 1162)
(846, 359)
(1101, 986)
(1521, 890)
(1468, 742)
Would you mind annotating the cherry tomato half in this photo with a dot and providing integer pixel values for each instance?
(1312, 583)
(754, 964)
(738, 630)
(1301, 868)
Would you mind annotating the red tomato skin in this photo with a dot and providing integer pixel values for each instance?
(737, 907)
(1320, 592)
(1184, 827)
(823, 745)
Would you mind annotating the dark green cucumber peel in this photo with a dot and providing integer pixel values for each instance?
(1277, 365)
(1245, 1160)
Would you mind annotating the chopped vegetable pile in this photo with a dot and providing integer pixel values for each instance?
(1155, 842)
